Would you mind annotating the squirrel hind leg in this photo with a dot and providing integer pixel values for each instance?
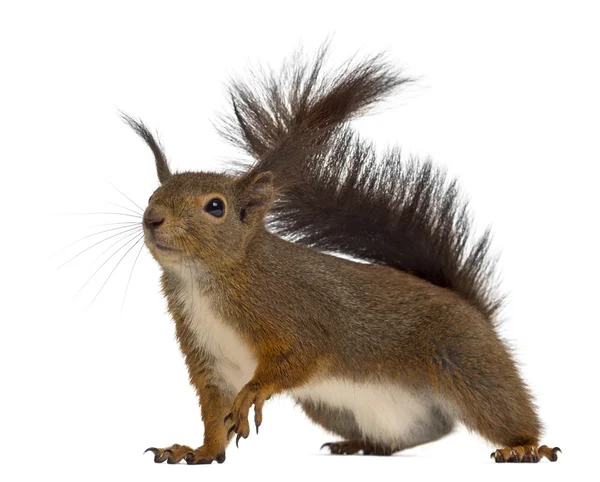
(343, 423)
(338, 421)
(489, 397)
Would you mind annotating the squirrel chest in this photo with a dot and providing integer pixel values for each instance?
(233, 363)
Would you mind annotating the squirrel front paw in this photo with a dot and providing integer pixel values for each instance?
(176, 453)
(248, 396)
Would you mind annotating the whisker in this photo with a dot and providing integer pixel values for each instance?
(127, 197)
(184, 245)
(101, 266)
(126, 208)
(114, 224)
(96, 244)
(192, 234)
(113, 270)
(127, 236)
(193, 283)
(97, 233)
(188, 251)
(130, 276)
(103, 213)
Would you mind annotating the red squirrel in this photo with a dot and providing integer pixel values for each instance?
(387, 352)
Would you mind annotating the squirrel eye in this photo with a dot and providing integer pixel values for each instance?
(216, 207)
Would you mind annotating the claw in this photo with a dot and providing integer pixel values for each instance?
(550, 454)
(499, 457)
(237, 440)
(228, 418)
(189, 458)
(159, 458)
(328, 444)
(233, 428)
(257, 425)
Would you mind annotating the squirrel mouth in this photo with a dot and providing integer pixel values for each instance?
(160, 247)
(152, 242)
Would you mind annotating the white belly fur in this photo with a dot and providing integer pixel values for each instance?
(384, 413)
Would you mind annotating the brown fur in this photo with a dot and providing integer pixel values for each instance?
(301, 312)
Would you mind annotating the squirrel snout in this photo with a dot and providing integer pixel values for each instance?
(153, 219)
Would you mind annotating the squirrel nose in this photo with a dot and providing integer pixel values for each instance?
(153, 219)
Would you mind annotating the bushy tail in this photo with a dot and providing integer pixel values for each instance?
(338, 196)
(282, 118)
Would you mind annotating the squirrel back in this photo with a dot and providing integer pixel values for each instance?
(336, 195)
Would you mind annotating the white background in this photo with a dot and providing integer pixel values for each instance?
(507, 100)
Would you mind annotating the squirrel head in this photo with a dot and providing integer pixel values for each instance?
(201, 218)
(205, 218)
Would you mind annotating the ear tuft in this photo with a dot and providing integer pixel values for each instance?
(162, 166)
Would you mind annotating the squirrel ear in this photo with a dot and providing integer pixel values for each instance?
(258, 194)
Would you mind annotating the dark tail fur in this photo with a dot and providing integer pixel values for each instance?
(337, 196)
(282, 118)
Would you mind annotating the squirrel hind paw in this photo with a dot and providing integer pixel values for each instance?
(525, 454)
(351, 447)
